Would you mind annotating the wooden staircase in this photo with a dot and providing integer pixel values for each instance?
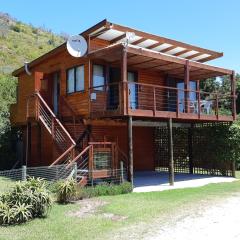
(72, 150)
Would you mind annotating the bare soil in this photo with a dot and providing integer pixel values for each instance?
(90, 207)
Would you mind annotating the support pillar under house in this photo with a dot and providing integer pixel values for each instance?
(130, 149)
(170, 150)
(190, 148)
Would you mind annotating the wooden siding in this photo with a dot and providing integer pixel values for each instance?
(143, 149)
(26, 86)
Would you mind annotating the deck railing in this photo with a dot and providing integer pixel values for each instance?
(142, 99)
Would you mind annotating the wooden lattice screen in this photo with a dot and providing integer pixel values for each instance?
(204, 158)
(180, 149)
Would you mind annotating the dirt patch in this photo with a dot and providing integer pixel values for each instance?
(92, 207)
(113, 217)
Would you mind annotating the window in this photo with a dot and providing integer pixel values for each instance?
(75, 79)
(102, 160)
(98, 77)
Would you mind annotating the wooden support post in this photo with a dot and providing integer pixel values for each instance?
(121, 169)
(190, 148)
(75, 168)
(186, 87)
(124, 102)
(217, 106)
(130, 149)
(233, 93)
(28, 143)
(24, 173)
(198, 99)
(177, 107)
(154, 102)
(170, 150)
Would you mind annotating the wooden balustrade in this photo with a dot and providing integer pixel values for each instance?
(148, 100)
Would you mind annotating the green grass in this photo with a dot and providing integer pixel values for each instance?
(137, 207)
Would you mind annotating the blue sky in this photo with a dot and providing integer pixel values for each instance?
(213, 24)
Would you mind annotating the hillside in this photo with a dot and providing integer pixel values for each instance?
(19, 42)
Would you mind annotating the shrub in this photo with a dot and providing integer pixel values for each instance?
(16, 28)
(104, 189)
(66, 191)
(27, 200)
(22, 212)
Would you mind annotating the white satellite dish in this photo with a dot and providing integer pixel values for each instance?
(77, 46)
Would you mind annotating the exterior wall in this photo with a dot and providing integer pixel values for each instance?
(26, 86)
(41, 80)
(143, 142)
(143, 149)
(42, 149)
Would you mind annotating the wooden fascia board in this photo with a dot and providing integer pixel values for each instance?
(210, 68)
(95, 27)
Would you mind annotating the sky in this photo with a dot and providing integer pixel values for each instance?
(211, 24)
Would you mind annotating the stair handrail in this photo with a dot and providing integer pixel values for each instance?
(54, 116)
(79, 155)
(40, 100)
(123, 154)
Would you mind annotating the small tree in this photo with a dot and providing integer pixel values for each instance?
(234, 142)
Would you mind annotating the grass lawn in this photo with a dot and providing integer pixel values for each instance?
(137, 207)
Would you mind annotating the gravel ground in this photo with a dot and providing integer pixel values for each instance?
(218, 219)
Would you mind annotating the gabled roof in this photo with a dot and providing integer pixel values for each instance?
(115, 33)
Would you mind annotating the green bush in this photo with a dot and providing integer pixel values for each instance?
(66, 191)
(16, 28)
(27, 200)
(104, 189)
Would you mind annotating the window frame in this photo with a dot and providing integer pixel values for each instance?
(102, 87)
(75, 79)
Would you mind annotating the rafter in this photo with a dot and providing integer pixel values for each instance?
(168, 49)
(118, 38)
(182, 52)
(139, 41)
(154, 45)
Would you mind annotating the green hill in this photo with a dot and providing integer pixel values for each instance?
(19, 42)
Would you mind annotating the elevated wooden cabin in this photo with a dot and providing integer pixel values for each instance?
(101, 111)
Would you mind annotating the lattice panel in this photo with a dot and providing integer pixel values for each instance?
(206, 159)
(180, 149)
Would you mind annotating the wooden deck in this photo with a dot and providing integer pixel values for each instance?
(154, 101)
